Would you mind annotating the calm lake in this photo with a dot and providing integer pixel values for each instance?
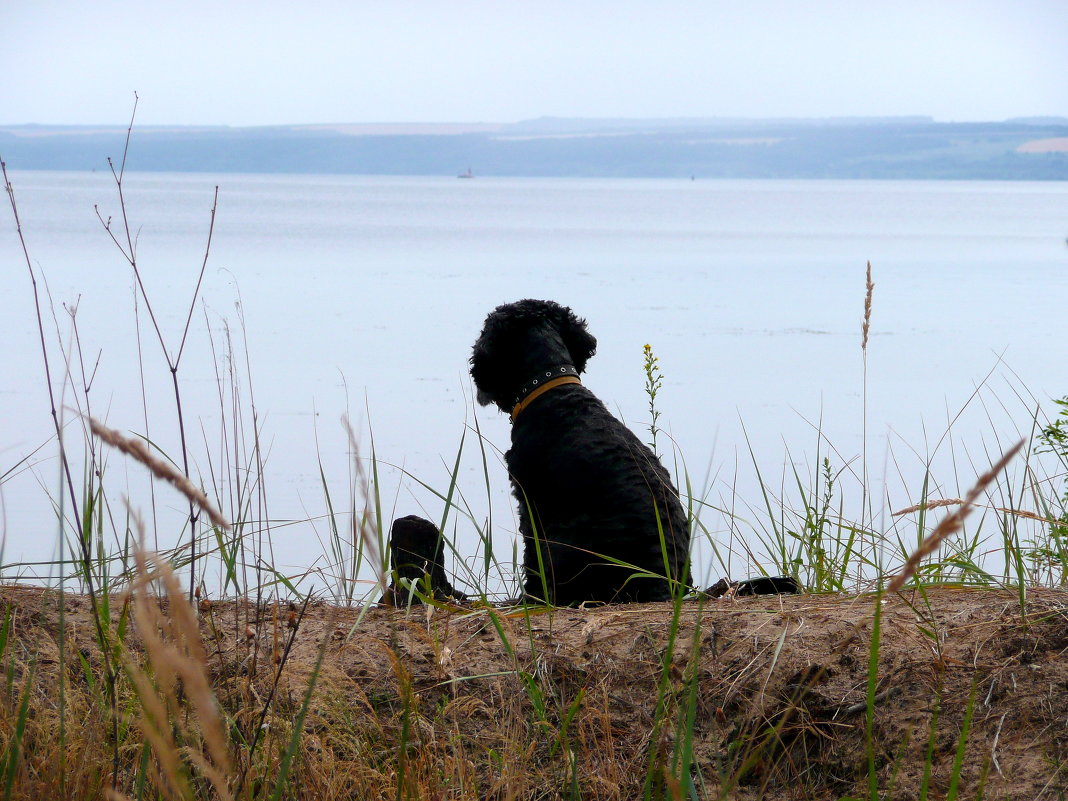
(363, 295)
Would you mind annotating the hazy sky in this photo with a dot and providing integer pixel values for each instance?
(267, 62)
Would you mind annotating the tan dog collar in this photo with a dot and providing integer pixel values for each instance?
(541, 390)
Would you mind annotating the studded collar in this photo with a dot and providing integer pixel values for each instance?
(542, 383)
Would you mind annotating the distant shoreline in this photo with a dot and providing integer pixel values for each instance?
(911, 148)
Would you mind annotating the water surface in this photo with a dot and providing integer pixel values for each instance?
(362, 296)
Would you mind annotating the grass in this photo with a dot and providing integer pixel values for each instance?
(117, 682)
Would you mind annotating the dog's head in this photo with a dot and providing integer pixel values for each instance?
(519, 339)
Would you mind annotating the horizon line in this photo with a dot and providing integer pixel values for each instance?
(490, 126)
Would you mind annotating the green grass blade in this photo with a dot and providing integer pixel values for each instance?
(962, 742)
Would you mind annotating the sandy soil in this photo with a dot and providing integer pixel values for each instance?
(796, 666)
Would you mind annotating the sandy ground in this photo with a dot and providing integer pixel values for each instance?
(794, 665)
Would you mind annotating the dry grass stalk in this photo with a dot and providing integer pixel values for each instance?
(951, 522)
(959, 501)
(161, 469)
(363, 527)
(1028, 515)
(928, 505)
(176, 653)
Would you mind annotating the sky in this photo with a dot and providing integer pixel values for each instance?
(232, 62)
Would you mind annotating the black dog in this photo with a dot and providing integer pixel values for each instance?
(599, 516)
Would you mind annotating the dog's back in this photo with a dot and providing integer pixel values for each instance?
(599, 503)
(600, 518)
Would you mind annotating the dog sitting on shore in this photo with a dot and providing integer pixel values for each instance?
(600, 518)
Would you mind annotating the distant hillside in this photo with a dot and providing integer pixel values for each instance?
(905, 147)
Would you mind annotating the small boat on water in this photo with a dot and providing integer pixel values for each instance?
(466, 174)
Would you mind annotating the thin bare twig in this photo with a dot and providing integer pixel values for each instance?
(85, 555)
(129, 252)
(44, 348)
(129, 132)
(200, 279)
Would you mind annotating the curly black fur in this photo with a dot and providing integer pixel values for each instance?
(586, 485)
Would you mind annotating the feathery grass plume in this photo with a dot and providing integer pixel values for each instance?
(957, 501)
(928, 505)
(363, 527)
(864, 329)
(1024, 513)
(138, 450)
(952, 522)
(869, 286)
(175, 651)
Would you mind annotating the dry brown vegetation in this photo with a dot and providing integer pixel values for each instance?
(435, 703)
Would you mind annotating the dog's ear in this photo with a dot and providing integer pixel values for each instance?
(483, 369)
(491, 361)
(581, 344)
